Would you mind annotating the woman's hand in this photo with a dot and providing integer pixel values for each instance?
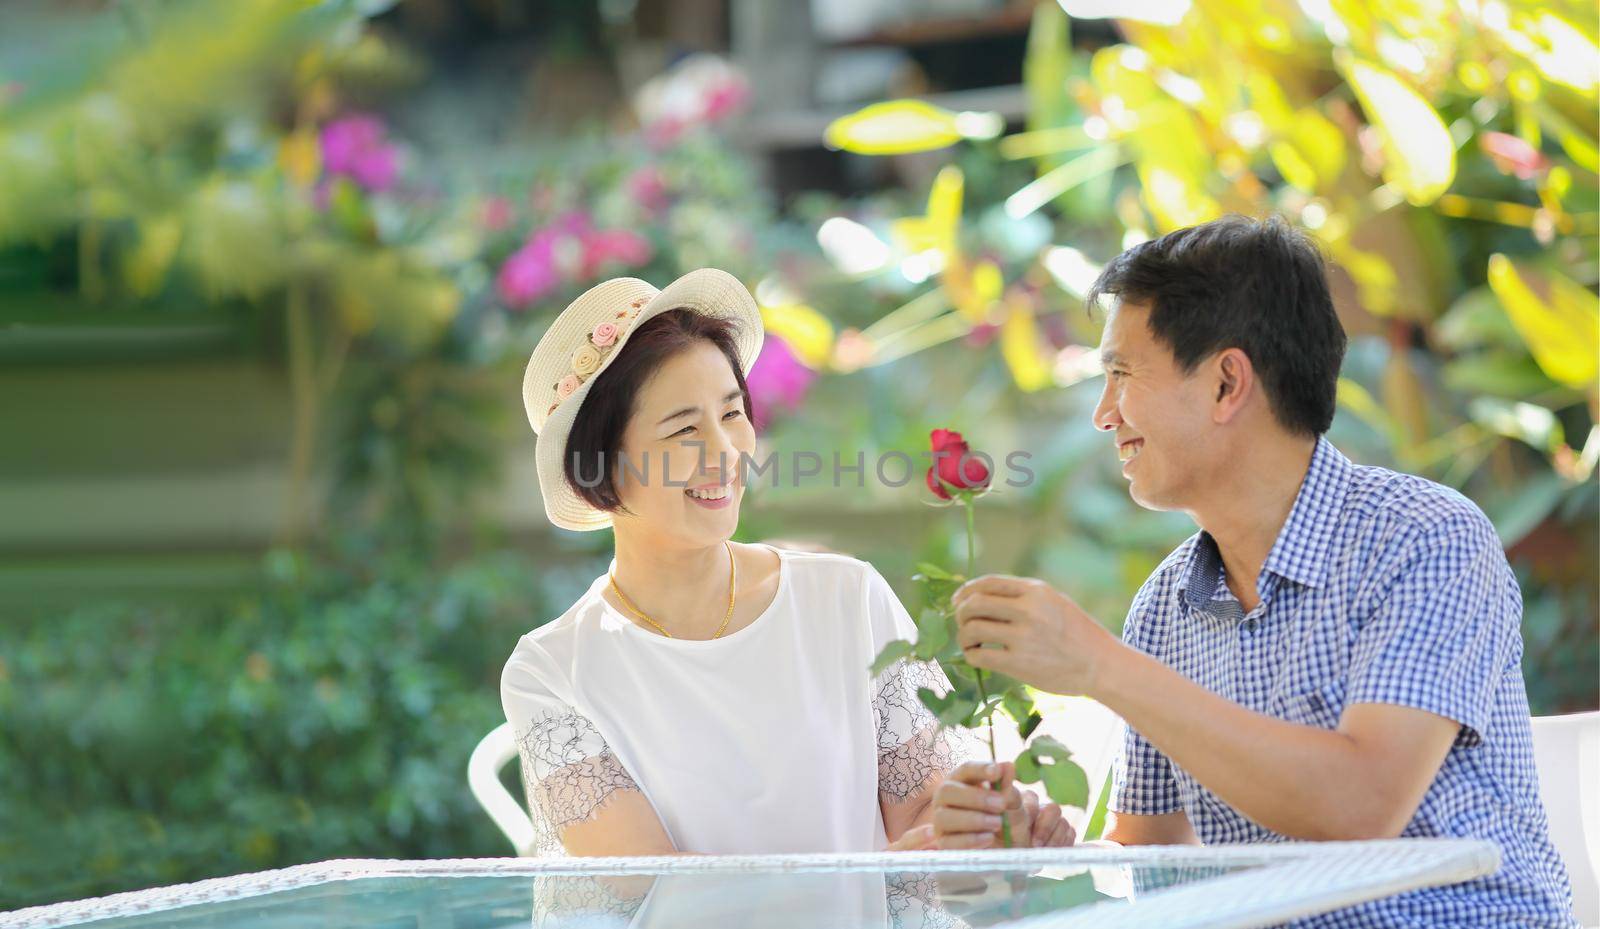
(969, 804)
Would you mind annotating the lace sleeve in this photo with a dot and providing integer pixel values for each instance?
(913, 748)
(568, 773)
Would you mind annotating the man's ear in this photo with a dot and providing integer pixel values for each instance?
(1235, 382)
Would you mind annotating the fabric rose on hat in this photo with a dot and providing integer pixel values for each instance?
(604, 335)
(565, 386)
(586, 361)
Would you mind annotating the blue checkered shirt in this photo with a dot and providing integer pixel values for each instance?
(1381, 588)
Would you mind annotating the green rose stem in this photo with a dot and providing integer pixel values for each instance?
(983, 693)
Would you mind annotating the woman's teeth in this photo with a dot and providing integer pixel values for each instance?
(1126, 452)
(709, 493)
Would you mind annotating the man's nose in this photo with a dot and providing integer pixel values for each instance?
(1106, 417)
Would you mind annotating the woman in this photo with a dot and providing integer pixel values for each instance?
(704, 696)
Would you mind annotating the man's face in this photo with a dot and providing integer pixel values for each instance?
(1159, 417)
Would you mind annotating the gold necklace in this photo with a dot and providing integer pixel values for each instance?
(733, 577)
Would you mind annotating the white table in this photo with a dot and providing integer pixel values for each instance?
(1228, 887)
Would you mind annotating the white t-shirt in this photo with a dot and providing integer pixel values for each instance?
(772, 739)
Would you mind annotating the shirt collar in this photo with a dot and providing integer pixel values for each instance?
(1300, 553)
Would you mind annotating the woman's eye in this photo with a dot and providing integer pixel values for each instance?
(733, 414)
(684, 431)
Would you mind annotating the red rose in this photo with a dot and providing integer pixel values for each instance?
(955, 464)
(936, 487)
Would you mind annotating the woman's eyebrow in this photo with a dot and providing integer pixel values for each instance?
(732, 395)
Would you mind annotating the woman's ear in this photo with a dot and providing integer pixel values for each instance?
(1235, 382)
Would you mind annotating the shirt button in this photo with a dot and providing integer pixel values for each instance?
(1250, 625)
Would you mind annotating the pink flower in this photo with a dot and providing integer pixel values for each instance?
(725, 98)
(616, 246)
(648, 189)
(604, 335)
(529, 273)
(355, 147)
(777, 380)
(565, 386)
(1513, 155)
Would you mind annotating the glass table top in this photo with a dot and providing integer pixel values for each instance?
(1221, 887)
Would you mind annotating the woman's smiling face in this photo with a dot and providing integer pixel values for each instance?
(681, 450)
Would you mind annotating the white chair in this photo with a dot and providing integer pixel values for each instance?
(497, 749)
(1566, 751)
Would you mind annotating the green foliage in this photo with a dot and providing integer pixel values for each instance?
(1449, 174)
(329, 716)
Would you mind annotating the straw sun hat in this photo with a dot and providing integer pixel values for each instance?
(582, 342)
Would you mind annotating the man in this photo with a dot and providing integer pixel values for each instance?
(1336, 654)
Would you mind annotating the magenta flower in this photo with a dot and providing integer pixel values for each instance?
(357, 147)
(529, 273)
(648, 189)
(725, 98)
(777, 381)
(615, 246)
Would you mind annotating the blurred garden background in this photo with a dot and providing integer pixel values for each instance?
(270, 269)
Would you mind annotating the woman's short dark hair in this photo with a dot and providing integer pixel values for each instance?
(594, 444)
(1257, 285)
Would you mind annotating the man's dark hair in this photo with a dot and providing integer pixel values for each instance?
(1256, 285)
(594, 445)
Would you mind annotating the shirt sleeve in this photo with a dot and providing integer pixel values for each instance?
(569, 772)
(1445, 629)
(1142, 783)
(914, 750)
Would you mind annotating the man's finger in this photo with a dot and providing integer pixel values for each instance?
(991, 607)
(976, 632)
(1001, 585)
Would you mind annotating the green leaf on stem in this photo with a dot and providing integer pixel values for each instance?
(933, 633)
(891, 653)
(1049, 761)
(1019, 706)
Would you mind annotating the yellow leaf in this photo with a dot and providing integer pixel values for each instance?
(1019, 346)
(1556, 316)
(1321, 143)
(935, 231)
(1295, 169)
(808, 333)
(1376, 282)
(1419, 156)
(894, 128)
(975, 290)
(300, 157)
